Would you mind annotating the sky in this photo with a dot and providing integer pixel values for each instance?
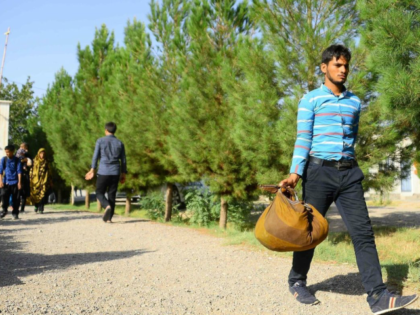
(44, 34)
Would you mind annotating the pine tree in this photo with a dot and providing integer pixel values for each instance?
(132, 99)
(69, 109)
(56, 117)
(168, 25)
(279, 69)
(390, 34)
(202, 114)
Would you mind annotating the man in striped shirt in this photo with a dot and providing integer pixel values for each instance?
(327, 126)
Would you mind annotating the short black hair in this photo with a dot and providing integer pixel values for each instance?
(111, 127)
(10, 147)
(336, 51)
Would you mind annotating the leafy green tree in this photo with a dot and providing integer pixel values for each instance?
(24, 126)
(22, 109)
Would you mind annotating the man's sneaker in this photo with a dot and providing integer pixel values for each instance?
(302, 294)
(15, 216)
(387, 302)
(36, 209)
(107, 215)
(3, 214)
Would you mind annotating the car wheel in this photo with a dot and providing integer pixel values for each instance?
(176, 199)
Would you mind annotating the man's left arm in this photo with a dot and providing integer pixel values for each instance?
(96, 155)
(19, 172)
(356, 125)
(123, 165)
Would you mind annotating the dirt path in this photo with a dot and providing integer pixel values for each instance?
(72, 263)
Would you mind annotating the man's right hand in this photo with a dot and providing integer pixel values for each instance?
(291, 181)
(90, 174)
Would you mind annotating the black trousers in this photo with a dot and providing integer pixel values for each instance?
(323, 185)
(10, 190)
(24, 192)
(40, 206)
(107, 183)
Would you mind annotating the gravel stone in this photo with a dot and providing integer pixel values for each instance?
(80, 265)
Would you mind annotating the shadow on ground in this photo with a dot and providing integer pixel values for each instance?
(56, 216)
(408, 219)
(351, 284)
(15, 263)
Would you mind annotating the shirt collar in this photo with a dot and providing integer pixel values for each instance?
(110, 136)
(326, 89)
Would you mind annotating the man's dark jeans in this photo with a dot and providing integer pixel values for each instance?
(24, 192)
(10, 190)
(323, 185)
(104, 183)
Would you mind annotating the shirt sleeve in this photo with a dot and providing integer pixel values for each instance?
(303, 144)
(356, 124)
(123, 160)
(19, 167)
(96, 154)
(1, 165)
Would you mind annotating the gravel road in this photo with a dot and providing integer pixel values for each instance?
(66, 262)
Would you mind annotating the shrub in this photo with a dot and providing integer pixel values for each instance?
(154, 203)
(202, 207)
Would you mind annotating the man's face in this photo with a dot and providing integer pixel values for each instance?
(336, 71)
(9, 153)
(24, 147)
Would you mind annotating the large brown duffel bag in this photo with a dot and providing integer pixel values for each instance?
(289, 224)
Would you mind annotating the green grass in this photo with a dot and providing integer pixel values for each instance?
(398, 248)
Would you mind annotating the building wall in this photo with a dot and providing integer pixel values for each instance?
(408, 188)
(4, 124)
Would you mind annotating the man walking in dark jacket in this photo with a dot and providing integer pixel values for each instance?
(112, 169)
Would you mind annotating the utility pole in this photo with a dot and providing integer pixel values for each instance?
(4, 54)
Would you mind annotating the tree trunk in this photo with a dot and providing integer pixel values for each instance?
(59, 196)
(127, 205)
(72, 195)
(223, 213)
(168, 203)
(87, 200)
(98, 205)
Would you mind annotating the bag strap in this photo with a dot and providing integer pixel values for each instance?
(284, 190)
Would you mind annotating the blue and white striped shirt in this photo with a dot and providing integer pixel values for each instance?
(327, 127)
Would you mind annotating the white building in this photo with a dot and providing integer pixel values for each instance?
(406, 188)
(4, 124)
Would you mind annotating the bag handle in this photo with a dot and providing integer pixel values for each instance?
(284, 190)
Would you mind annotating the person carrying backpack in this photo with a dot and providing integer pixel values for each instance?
(10, 181)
